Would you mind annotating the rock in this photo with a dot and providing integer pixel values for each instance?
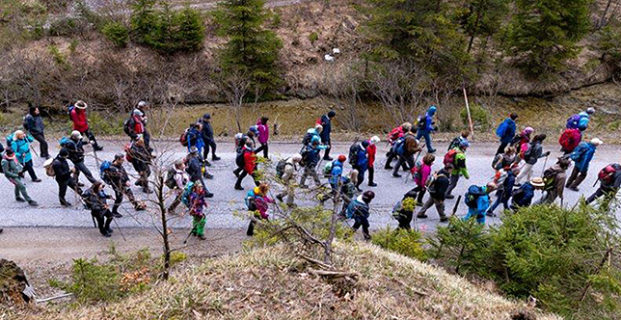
(13, 282)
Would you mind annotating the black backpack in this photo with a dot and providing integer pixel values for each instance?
(170, 178)
(454, 143)
(280, 168)
(128, 126)
(472, 196)
(353, 153)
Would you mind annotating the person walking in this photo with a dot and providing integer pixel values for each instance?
(63, 177)
(582, 156)
(96, 200)
(194, 168)
(12, 170)
(180, 179)
(426, 126)
(359, 160)
(457, 157)
(521, 143)
(477, 200)
(257, 202)
(580, 120)
(208, 138)
(405, 150)
(437, 185)
(336, 173)
(141, 161)
(421, 174)
(263, 136)
(609, 182)
(137, 124)
(523, 197)
(504, 160)
(531, 156)
(77, 113)
(310, 159)
(75, 147)
(249, 166)
(394, 136)
(358, 210)
(371, 153)
(197, 210)
(505, 189)
(554, 179)
(33, 123)
(458, 140)
(569, 140)
(404, 211)
(326, 129)
(116, 176)
(505, 132)
(289, 178)
(21, 146)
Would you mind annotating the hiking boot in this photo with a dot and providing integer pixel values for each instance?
(396, 175)
(239, 188)
(80, 184)
(1, 230)
(215, 158)
(208, 195)
(279, 197)
(19, 199)
(372, 184)
(444, 219)
(303, 186)
(64, 203)
(98, 148)
(109, 230)
(33, 203)
(208, 176)
(422, 216)
(490, 214)
(388, 167)
(105, 234)
(328, 158)
(450, 196)
(36, 180)
(574, 189)
(207, 163)
(202, 237)
(432, 151)
(117, 215)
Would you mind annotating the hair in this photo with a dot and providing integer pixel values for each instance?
(118, 156)
(510, 150)
(264, 120)
(264, 188)
(9, 151)
(465, 133)
(97, 185)
(429, 158)
(178, 164)
(540, 137)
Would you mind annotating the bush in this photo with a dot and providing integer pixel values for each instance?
(313, 37)
(405, 242)
(480, 117)
(117, 33)
(91, 282)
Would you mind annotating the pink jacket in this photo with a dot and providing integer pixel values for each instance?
(425, 171)
(264, 132)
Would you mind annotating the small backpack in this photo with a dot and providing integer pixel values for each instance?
(607, 172)
(472, 195)
(416, 170)
(49, 169)
(305, 155)
(573, 121)
(353, 153)
(170, 182)
(187, 190)
(128, 126)
(497, 162)
(87, 197)
(280, 168)
(64, 141)
(454, 143)
(70, 109)
(183, 139)
(449, 157)
(569, 139)
(102, 171)
(327, 169)
(421, 122)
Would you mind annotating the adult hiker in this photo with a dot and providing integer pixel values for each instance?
(581, 120)
(404, 211)
(359, 160)
(609, 179)
(263, 131)
(248, 165)
(437, 184)
(140, 158)
(521, 142)
(394, 136)
(197, 210)
(208, 138)
(358, 210)
(421, 173)
(137, 124)
(531, 156)
(582, 156)
(75, 147)
(371, 153)
(348, 191)
(405, 150)
(21, 146)
(116, 176)
(505, 132)
(554, 179)
(96, 200)
(243, 142)
(63, 176)
(426, 126)
(326, 124)
(310, 159)
(77, 113)
(12, 170)
(33, 123)
(176, 182)
(257, 202)
(477, 200)
(456, 157)
(195, 137)
(458, 140)
(312, 134)
(336, 172)
(288, 178)
(523, 196)
(505, 183)
(504, 160)
(569, 140)
(194, 168)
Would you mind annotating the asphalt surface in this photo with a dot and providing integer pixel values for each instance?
(227, 201)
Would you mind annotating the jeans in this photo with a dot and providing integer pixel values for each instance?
(360, 174)
(452, 184)
(42, 144)
(20, 189)
(500, 198)
(28, 166)
(427, 136)
(81, 167)
(407, 162)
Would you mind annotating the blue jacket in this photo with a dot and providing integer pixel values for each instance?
(480, 210)
(507, 185)
(362, 161)
(22, 149)
(312, 157)
(357, 209)
(335, 174)
(583, 124)
(428, 127)
(326, 123)
(524, 195)
(195, 139)
(506, 130)
(582, 156)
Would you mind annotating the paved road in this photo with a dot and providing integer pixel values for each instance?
(227, 201)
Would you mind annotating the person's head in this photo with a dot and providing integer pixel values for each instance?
(537, 182)
(142, 105)
(198, 187)
(331, 114)
(367, 196)
(463, 145)
(206, 117)
(9, 153)
(318, 128)
(179, 165)
(118, 159)
(199, 126)
(76, 135)
(590, 110)
(19, 134)
(596, 142)
(139, 141)
(515, 170)
(406, 126)
(264, 188)
(528, 131)
(491, 186)
(248, 144)
(81, 105)
(449, 168)
(264, 120)
(138, 113)
(296, 158)
(564, 163)
(98, 186)
(353, 176)
(63, 153)
(540, 137)
(510, 150)
(315, 142)
(428, 159)
(374, 140)
(342, 158)
(365, 144)
(193, 150)
(33, 110)
(513, 116)
(432, 110)
(465, 133)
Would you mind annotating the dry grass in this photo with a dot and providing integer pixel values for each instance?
(273, 284)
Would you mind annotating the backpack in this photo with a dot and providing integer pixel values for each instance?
(183, 139)
(170, 181)
(431, 181)
(416, 170)
(353, 153)
(497, 162)
(9, 140)
(280, 168)
(239, 158)
(64, 141)
(569, 139)
(86, 197)
(70, 109)
(327, 169)
(500, 131)
(573, 121)
(102, 171)
(128, 126)
(49, 169)
(128, 152)
(528, 153)
(454, 143)
(516, 140)
(449, 157)
(187, 190)
(608, 171)
(307, 138)
(421, 122)
(472, 196)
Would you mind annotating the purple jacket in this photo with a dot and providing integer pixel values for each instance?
(264, 132)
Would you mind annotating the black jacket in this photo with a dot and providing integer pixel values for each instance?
(61, 169)
(34, 124)
(439, 186)
(194, 168)
(96, 201)
(117, 176)
(207, 131)
(76, 150)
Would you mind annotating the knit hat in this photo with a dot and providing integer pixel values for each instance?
(76, 134)
(342, 158)
(331, 114)
(142, 104)
(374, 139)
(367, 196)
(596, 141)
(590, 110)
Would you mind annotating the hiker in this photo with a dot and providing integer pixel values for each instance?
(358, 209)
(12, 170)
(569, 140)
(581, 120)
(312, 134)
(554, 179)
(63, 177)
(326, 129)
(371, 153)
(458, 140)
(521, 143)
(249, 165)
(75, 147)
(504, 160)
(477, 200)
(358, 158)
(77, 113)
(523, 196)
(610, 180)
(456, 157)
(348, 191)
(394, 135)
(33, 123)
(116, 176)
(335, 176)
(241, 141)
(403, 214)
(141, 161)
(21, 146)
(506, 132)
(437, 184)
(531, 156)
(194, 168)
(505, 184)
(137, 124)
(426, 126)
(177, 184)
(208, 138)
(263, 131)
(197, 207)
(257, 202)
(421, 173)
(405, 150)
(195, 137)
(582, 156)
(288, 178)
(96, 200)
(310, 159)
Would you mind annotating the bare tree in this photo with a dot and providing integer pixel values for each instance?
(235, 87)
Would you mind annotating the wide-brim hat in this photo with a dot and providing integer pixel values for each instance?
(537, 182)
(81, 104)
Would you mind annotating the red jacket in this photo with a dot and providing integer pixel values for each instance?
(249, 161)
(78, 116)
(395, 134)
(371, 151)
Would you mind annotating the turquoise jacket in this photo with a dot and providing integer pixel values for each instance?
(22, 149)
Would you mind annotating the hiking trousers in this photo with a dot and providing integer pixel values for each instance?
(40, 137)
(452, 184)
(576, 178)
(198, 225)
(430, 202)
(62, 188)
(20, 189)
(310, 171)
(118, 197)
(210, 144)
(526, 172)
(81, 167)
(427, 136)
(364, 222)
(28, 166)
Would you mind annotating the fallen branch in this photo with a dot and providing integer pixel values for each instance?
(64, 295)
(415, 290)
(335, 274)
(315, 261)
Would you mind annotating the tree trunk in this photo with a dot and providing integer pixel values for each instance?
(474, 32)
(164, 232)
(602, 20)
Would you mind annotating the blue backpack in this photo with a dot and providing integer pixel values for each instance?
(473, 194)
(64, 141)
(573, 122)
(102, 171)
(70, 108)
(500, 131)
(9, 140)
(187, 190)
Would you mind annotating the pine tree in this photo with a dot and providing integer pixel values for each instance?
(482, 18)
(251, 50)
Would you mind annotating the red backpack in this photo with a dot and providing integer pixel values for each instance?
(569, 139)
(449, 157)
(608, 172)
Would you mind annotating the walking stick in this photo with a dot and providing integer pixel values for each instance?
(119, 228)
(456, 206)
(410, 173)
(33, 150)
(188, 236)
(544, 165)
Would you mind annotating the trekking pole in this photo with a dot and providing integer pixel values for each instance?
(544, 165)
(456, 206)
(33, 150)
(410, 173)
(119, 228)
(188, 236)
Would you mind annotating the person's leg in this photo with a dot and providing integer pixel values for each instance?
(91, 138)
(304, 176)
(173, 206)
(371, 176)
(16, 191)
(43, 147)
(360, 175)
(357, 224)
(62, 191)
(147, 140)
(313, 173)
(427, 137)
(490, 210)
(524, 173)
(400, 162)
(452, 184)
(30, 168)
(200, 227)
(326, 154)
(598, 193)
(365, 228)
(440, 207)
(389, 157)
(426, 206)
(213, 145)
(239, 180)
(80, 166)
(572, 177)
(419, 197)
(21, 188)
(502, 147)
(100, 222)
(118, 199)
(505, 203)
(579, 179)
(206, 150)
(255, 178)
(266, 151)
(108, 222)
(250, 231)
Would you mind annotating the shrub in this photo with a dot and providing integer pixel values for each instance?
(405, 242)
(480, 117)
(91, 281)
(313, 37)
(117, 33)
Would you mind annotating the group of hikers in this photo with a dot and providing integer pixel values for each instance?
(513, 182)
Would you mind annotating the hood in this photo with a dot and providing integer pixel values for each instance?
(432, 110)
